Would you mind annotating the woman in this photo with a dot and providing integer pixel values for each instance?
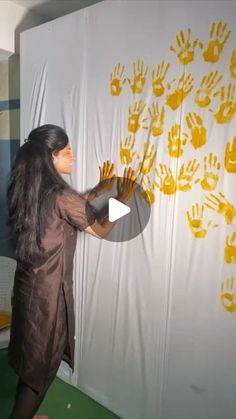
(44, 216)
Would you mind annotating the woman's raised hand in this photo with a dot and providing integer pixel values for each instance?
(126, 185)
(107, 175)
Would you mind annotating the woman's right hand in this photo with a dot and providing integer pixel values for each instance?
(126, 185)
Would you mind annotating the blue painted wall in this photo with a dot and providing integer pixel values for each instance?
(9, 137)
(8, 149)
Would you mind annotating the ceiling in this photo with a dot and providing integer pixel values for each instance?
(48, 10)
(52, 9)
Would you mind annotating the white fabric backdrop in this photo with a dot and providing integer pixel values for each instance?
(155, 331)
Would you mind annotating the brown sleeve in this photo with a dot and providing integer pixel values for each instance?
(74, 209)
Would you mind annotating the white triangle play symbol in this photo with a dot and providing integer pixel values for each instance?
(117, 209)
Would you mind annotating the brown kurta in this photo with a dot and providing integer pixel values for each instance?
(43, 304)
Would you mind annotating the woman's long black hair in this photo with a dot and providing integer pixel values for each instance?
(32, 189)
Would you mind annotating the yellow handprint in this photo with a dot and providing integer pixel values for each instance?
(221, 205)
(147, 191)
(157, 119)
(230, 248)
(230, 156)
(204, 91)
(198, 135)
(196, 221)
(227, 105)
(139, 77)
(184, 48)
(184, 87)
(211, 172)
(158, 77)
(134, 116)
(228, 294)
(147, 159)
(186, 174)
(216, 43)
(127, 151)
(175, 143)
(232, 66)
(116, 80)
(166, 181)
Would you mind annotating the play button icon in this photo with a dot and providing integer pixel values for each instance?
(117, 209)
(131, 218)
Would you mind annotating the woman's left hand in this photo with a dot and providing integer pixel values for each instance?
(107, 176)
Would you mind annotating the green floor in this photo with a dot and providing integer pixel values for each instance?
(56, 402)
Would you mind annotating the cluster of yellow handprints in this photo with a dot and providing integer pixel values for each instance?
(219, 100)
(164, 179)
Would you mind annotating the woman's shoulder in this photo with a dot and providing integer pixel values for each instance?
(68, 193)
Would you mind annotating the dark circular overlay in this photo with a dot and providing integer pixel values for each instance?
(130, 225)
